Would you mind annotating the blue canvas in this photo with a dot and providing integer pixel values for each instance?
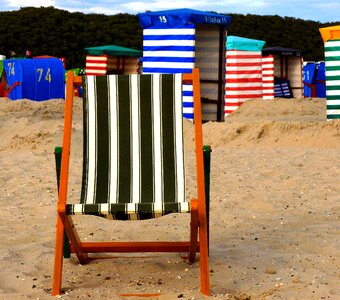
(40, 79)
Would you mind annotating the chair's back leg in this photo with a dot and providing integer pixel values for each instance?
(207, 159)
(58, 156)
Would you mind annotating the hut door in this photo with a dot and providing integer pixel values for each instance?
(210, 49)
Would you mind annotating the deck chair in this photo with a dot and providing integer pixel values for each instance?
(133, 164)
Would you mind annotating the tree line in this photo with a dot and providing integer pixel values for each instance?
(55, 32)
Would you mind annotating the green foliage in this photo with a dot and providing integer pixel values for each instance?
(50, 31)
(55, 32)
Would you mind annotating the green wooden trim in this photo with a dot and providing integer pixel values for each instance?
(332, 68)
(207, 162)
(333, 106)
(331, 98)
(329, 57)
(58, 154)
(330, 48)
(333, 116)
(67, 250)
(333, 88)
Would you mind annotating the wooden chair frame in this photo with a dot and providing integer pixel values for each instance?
(198, 225)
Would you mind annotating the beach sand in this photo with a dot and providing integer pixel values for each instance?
(274, 215)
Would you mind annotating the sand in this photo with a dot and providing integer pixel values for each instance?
(275, 187)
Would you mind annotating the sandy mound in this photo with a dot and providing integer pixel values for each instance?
(274, 209)
(275, 123)
(31, 124)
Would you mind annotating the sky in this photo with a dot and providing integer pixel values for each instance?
(316, 10)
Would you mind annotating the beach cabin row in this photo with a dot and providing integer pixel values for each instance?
(233, 69)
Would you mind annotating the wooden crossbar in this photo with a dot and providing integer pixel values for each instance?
(130, 247)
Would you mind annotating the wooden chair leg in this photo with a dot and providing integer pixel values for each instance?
(204, 266)
(74, 239)
(193, 230)
(58, 257)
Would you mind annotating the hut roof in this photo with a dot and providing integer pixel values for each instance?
(242, 43)
(282, 51)
(113, 50)
(180, 17)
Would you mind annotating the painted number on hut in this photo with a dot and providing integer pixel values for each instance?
(163, 19)
(46, 76)
(11, 69)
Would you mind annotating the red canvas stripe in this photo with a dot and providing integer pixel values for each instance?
(243, 80)
(227, 104)
(95, 60)
(243, 64)
(96, 56)
(95, 68)
(244, 88)
(99, 62)
(247, 96)
(95, 74)
(245, 72)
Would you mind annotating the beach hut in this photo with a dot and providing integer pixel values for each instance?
(112, 59)
(288, 71)
(314, 79)
(176, 41)
(321, 80)
(331, 38)
(35, 79)
(243, 71)
(309, 79)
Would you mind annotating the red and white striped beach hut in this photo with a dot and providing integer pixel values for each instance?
(243, 71)
(112, 59)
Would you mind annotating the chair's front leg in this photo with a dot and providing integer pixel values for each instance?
(58, 257)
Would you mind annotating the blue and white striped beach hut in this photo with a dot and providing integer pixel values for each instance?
(176, 41)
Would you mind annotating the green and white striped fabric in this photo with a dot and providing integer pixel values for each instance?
(133, 147)
(332, 58)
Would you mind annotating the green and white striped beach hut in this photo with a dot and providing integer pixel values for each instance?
(331, 38)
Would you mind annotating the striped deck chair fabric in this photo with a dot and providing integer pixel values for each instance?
(133, 164)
